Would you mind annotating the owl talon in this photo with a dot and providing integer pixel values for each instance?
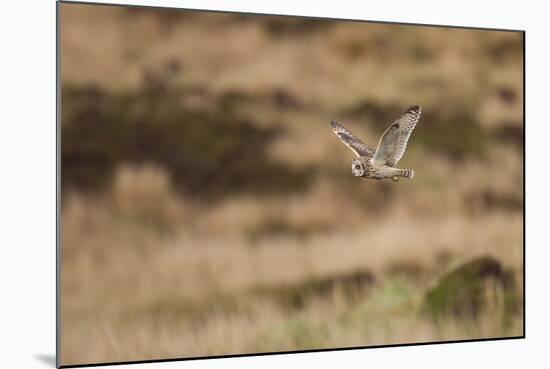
(395, 178)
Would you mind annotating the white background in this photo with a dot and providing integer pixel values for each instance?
(27, 185)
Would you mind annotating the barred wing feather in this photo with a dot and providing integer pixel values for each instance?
(393, 142)
(351, 141)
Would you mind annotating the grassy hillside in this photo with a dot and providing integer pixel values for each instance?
(208, 209)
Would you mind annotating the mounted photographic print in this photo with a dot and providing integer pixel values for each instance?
(240, 184)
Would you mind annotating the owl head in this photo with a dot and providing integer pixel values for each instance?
(357, 168)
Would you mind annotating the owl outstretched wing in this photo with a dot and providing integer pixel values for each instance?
(351, 141)
(393, 142)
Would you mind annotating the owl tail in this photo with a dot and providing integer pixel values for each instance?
(407, 173)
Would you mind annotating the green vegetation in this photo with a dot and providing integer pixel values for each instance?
(209, 152)
(208, 208)
(456, 135)
(473, 288)
(352, 285)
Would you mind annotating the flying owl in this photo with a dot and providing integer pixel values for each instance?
(380, 164)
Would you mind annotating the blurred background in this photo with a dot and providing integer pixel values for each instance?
(208, 208)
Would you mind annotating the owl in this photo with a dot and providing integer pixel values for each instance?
(380, 163)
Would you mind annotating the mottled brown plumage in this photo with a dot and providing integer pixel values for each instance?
(379, 163)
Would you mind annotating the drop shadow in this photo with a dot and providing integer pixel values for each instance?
(48, 359)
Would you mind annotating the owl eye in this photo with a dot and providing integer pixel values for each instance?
(357, 166)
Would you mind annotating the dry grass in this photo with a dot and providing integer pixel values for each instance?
(187, 284)
(149, 272)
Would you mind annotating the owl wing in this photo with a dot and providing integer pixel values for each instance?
(393, 142)
(351, 141)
